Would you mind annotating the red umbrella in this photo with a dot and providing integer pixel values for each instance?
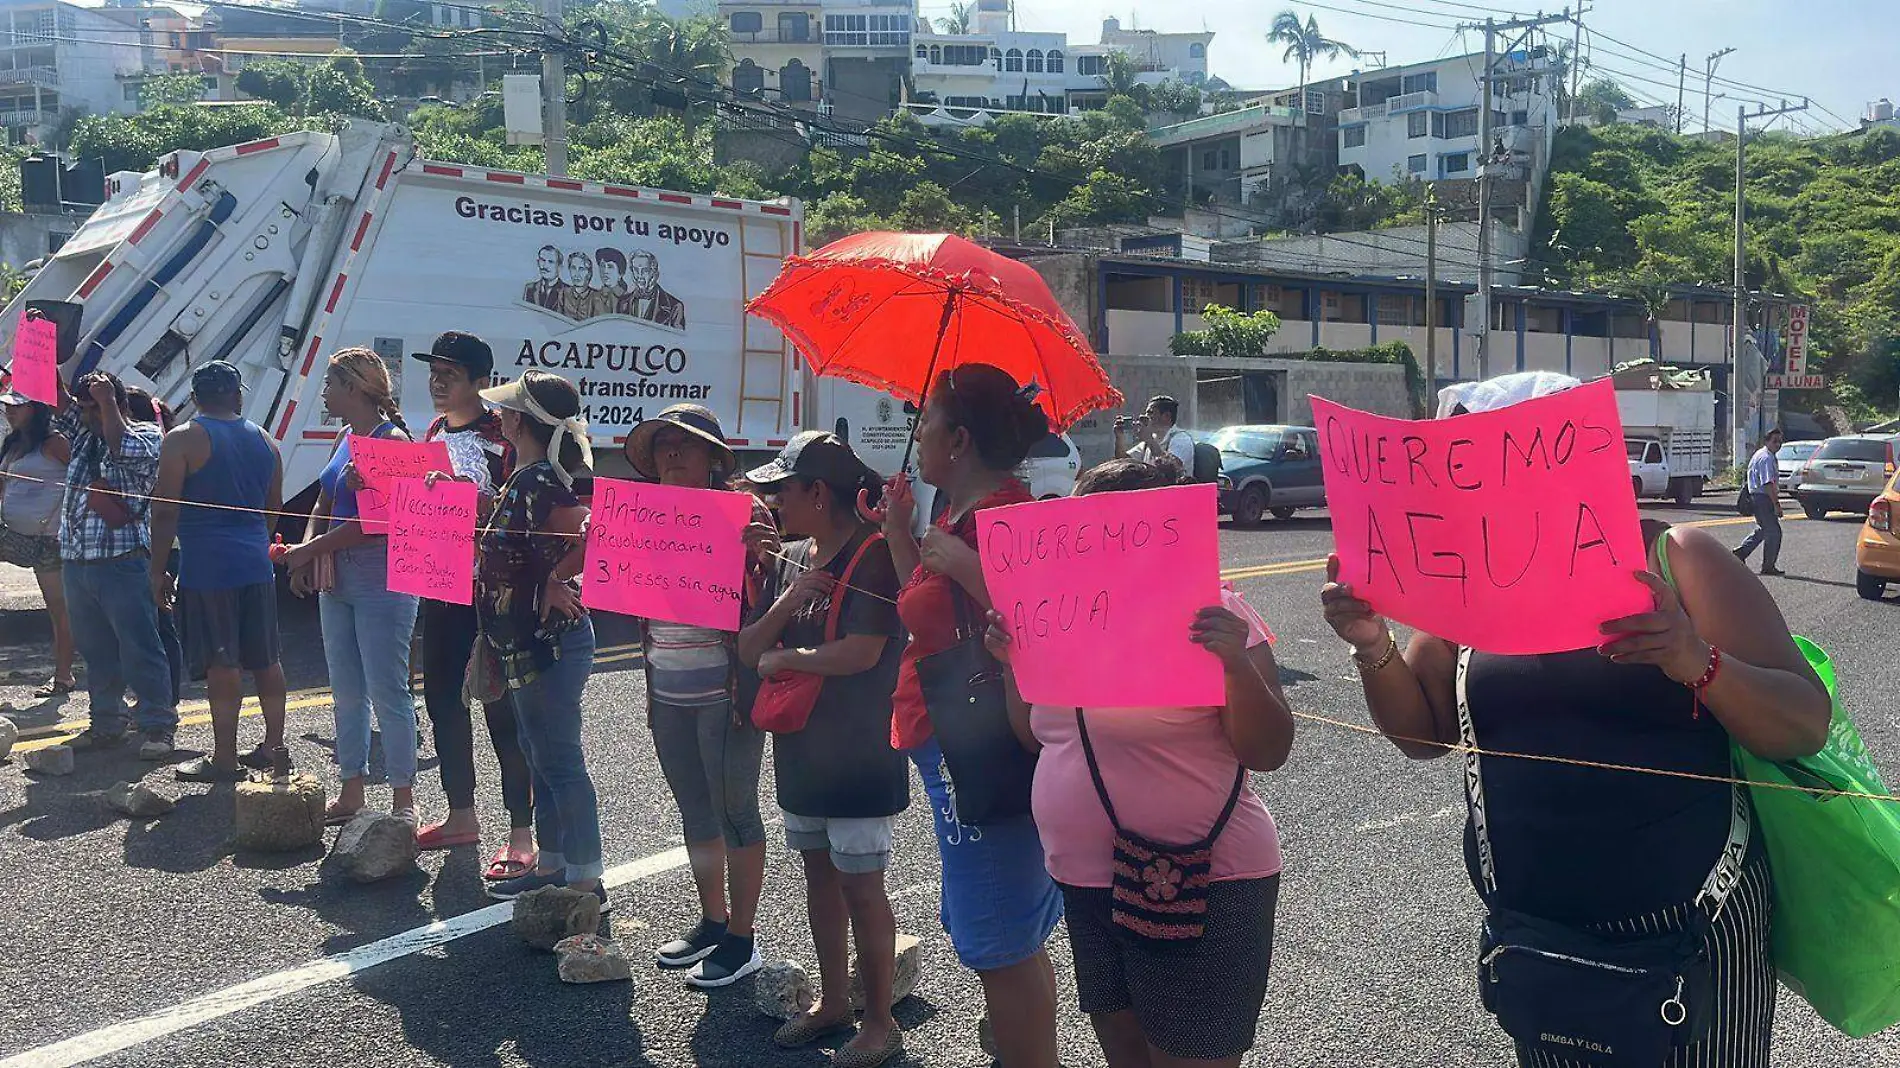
(892, 311)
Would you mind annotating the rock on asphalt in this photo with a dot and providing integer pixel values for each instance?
(375, 846)
(544, 917)
(278, 815)
(589, 958)
(52, 760)
(137, 800)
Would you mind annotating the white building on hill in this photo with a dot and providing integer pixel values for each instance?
(1421, 120)
(58, 57)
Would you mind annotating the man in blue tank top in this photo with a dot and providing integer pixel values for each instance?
(230, 472)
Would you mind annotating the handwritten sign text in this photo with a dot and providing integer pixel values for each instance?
(432, 539)
(36, 359)
(667, 552)
(380, 461)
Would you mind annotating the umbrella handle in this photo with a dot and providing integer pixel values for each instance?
(930, 372)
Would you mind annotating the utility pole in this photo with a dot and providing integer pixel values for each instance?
(1739, 400)
(554, 93)
(1431, 291)
(1483, 161)
(1708, 84)
(1682, 86)
(1486, 160)
(1576, 59)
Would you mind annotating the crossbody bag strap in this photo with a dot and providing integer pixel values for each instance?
(1101, 790)
(1716, 887)
(843, 585)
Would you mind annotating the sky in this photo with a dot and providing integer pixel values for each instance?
(1837, 52)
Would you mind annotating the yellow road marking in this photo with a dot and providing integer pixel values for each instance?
(197, 713)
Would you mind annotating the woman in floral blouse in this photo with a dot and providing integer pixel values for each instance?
(536, 637)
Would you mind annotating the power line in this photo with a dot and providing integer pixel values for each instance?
(1382, 18)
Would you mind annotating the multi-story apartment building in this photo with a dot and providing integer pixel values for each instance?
(846, 57)
(1421, 121)
(57, 57)
(1183, 53)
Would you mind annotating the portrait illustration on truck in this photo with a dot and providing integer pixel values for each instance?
(579, 285)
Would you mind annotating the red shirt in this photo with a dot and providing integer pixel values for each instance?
(929, 614)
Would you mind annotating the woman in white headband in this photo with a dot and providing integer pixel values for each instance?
(536, 637)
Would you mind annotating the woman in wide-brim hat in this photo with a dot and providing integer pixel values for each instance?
(709, 750)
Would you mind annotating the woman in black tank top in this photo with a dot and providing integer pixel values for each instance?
(1619, 852)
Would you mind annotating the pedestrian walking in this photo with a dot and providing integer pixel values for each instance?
(480, 454)
(709, 752)
(1164, 984)
(105, 547)
(33, 460)
(1581, 863)
(998, 902)
(1764, 498)
(828, 612)
(367, 628)
(537, 640)
(220, 479)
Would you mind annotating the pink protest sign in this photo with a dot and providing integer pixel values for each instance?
(36, 359)
(1099, 593)
(432, 539)
(1513, 531)
(667, 552)
(380, 461)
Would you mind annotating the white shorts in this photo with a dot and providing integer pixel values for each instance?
(858, 846)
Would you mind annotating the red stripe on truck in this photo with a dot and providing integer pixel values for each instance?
(563, 183)
(775, 443)
(97, 276)
(446, 172)
(674, 198)
(511, 179)
(257, 146)
(336, 291)
(389, 164)
(795, 398)
(775, 209)
(620, 191)
(362, 228)
(731, 204)
(322, 435)
(145, 227)
(283, 425)
(192, 176)
(741, 442)
(310, 355)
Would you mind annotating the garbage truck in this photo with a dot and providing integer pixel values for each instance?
(275, 253)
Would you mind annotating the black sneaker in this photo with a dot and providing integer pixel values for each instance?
(92, 738)
(736, 957)
(693, 946)
(606, 904)
(258, 759)
(156, 746)
(1772, 572)
(204, 769)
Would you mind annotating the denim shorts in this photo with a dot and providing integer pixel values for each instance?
(999, 904)
(858, 845)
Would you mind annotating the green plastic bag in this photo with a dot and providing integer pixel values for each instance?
(1836, 863)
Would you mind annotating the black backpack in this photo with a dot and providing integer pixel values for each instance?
(1206, 462)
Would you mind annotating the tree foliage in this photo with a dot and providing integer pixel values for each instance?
(1228, 333)
(280, 81)
(1634, 210)
(1602, 98)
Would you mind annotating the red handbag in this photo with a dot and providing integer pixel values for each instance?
(785, 699)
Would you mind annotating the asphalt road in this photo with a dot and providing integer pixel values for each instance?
(135, 944)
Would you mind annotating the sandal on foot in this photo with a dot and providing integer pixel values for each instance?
(435, 837)
(805, 1029)
(509, 863)
(337, 817)
(849, 1057)
(53, 688)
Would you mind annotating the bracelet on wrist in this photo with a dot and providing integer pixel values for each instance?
(1708, 675)
(1370, 667)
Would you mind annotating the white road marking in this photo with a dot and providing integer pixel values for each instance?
(247, 995)
(918, 888)
(1370, 825)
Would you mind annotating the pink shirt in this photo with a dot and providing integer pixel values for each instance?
(1168, 770)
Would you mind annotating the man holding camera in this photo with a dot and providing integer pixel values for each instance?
(1155, 434)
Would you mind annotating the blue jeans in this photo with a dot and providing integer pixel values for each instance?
(366, 635)
(548, 713)
(115, 628)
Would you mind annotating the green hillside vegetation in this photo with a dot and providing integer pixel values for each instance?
(1632, 210)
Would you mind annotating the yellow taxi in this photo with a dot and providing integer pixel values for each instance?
(1877, 554)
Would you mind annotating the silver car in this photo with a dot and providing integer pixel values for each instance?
(1789, 460)
(1846, 473)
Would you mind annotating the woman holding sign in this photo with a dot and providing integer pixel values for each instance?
(1627, 911)
(366, 628)
(537, 641)
(1165, 983)
(826, 624)
(709, 750)
(998, 903)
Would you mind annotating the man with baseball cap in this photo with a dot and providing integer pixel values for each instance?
(460, 366)
(229, 471)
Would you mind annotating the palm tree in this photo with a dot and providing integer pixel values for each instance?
(962, 16)
(1305, 45)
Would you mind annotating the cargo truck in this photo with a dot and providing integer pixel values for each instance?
(1668, 428)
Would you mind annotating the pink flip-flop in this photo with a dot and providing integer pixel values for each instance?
(509, 863)
(433, 837)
